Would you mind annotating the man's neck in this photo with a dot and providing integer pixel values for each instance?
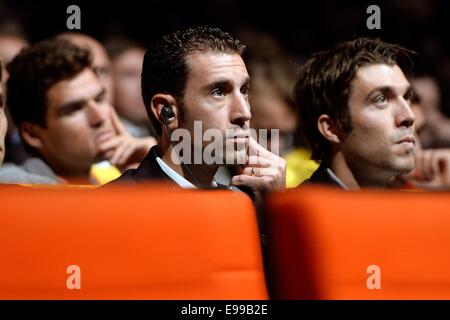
(202, 172)
(68, 176)
(340, 168)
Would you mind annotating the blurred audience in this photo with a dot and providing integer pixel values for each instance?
(3, 121)
(273, 74)
(12, 41)
(65, 120)
(435, 131)
(432, 166)
(127, 58)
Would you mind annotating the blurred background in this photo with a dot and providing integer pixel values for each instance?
(279, 36)
(299, 27)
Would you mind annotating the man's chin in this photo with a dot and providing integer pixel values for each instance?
(405, 168)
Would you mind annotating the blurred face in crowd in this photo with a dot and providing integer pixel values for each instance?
(100, 60)
(78, 119)
(127, 85)
(381, 143)
(428, 90)
(3, 128)
(10, 46)
(3, 123)
(216, 93)
(271, 111)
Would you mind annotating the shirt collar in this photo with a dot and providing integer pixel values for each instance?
(172, 174)
(336, 179)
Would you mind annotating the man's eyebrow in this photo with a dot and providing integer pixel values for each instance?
(247, 82)
(225, 83)
(384, 89)
(101, 93)
(75, 104)
(409, 91)
(218, 84)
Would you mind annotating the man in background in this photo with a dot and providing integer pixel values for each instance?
(354, 103)
(65, 120)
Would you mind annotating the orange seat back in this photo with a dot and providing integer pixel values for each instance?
(332, 244)
(129, 243)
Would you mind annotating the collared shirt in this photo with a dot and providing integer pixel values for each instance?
(172, 174)
(336, 179)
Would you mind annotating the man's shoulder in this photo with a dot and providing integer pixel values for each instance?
(148, 170)
(320, 176)
(32, 171)
(126, 178)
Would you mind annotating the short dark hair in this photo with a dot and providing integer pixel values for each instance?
(34, 70)
(165, 68)
(324, 84)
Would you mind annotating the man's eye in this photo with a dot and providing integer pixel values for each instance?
(381, 99)
(217, 92)
(100, 99)
(244, 90)
(68, 111)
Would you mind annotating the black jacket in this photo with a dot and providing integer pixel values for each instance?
(321, 176)
(149, 170)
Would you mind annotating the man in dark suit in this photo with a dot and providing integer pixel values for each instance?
(354, 103)
(195, 85)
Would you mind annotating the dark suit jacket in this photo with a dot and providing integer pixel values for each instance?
(149, 170)
(321, 176)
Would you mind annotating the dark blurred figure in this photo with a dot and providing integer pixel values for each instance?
(432, 166)
(274, 73)
(3, 121)
(127, 58)
(12, 41)
(435, 131)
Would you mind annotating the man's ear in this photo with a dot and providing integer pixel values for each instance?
(32, 134)
(328, 128)
(159, 101)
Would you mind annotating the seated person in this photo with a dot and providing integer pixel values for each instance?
(58, 104)
(197, 77)
(354, 106)
(432, 165)
(118, 93)
(3, 121)
(11, 43)
(127, 58)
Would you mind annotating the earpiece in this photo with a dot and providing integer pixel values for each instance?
(167, 113)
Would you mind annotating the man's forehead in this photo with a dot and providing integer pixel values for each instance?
(83, 86)
(216, 64)
(380, 75)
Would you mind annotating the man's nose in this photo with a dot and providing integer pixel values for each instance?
(97, 114)
(405, 116)
(240, 110)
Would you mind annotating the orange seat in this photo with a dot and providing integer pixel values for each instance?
(332, 244)
(129, 243)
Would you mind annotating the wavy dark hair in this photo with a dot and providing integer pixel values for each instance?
(34, 71)
(324, 85)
